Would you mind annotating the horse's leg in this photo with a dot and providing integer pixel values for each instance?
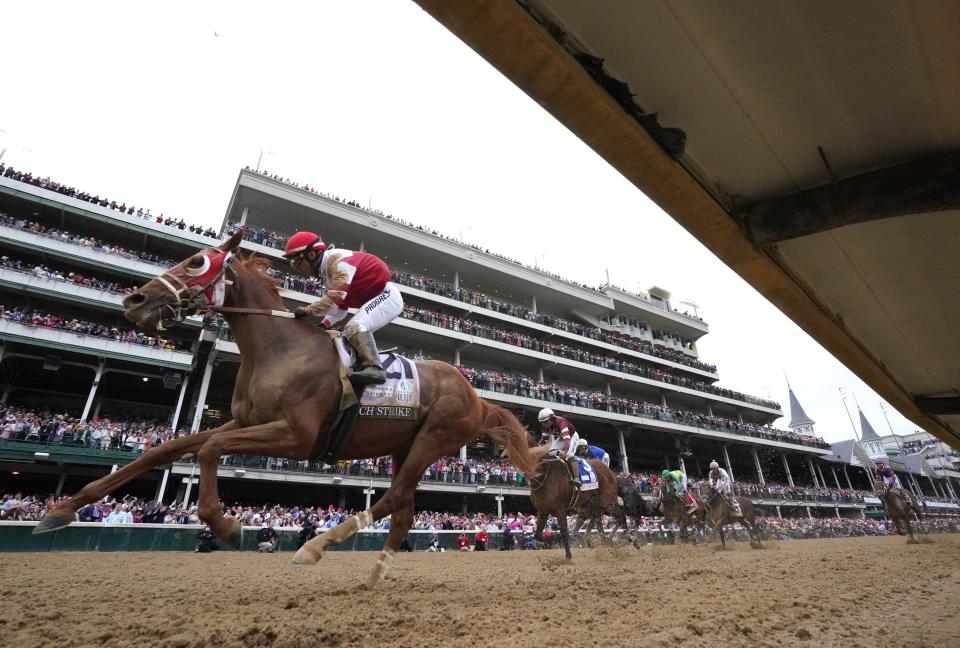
(541, 523)
(399, 496)
(63, 514)
(274, 439)
(400, 523)
(564, 535)
(723, 541)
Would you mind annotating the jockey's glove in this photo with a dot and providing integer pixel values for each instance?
(300, 312)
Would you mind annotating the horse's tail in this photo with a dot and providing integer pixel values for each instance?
(506, 430)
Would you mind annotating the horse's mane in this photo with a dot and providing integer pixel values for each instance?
(258, 267)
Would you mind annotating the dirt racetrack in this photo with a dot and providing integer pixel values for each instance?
(850, 592)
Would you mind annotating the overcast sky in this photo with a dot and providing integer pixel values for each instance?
(160, 105)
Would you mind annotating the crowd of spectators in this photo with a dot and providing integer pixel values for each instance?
(43, 271)
(294, 517)
(35, 317)
(517, 384)
(769, 490)
(476, 298)
(90, 242)
(123, 208)
(113, 432)
(525, 341)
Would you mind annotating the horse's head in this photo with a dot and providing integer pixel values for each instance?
(185, 289)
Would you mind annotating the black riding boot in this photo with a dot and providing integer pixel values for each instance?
(368, 369)
(574, 469)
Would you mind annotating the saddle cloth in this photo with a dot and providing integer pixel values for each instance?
(398, 398)
(588, 476)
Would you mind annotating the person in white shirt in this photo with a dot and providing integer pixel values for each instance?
(720, 482)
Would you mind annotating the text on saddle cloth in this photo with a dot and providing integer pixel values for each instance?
(588, 476)
(398, 397)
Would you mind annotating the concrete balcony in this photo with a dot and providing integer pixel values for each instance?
(69, 292)
(91, 345)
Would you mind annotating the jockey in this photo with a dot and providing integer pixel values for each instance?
(588, 451)
(352, 280)
(565, 440)
(676, 481)
(720, 482)
(892, 483)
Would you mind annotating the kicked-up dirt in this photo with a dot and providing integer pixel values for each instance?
(847, 592)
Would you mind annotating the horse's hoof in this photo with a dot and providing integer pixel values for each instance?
(308, 557)
(52, 522)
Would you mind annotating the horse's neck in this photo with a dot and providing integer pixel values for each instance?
(261, 338)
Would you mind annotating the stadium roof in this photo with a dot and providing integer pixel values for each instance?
(822, 157)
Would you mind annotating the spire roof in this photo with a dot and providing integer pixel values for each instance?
(797, 416)
(867, 433)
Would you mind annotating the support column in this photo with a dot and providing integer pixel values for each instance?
(779, 514)
(823, 482)
(456, 281)
(202, 396)
(243, 215)
(369, 492)
(363, 247)
(836, 509)
(163, 485)
(190, 480)
(756, 461)
(608, 388)
(176, 411)
(624, 464)
(786, 467)
(740, 417)
(726, 458)
(533, 304)
(847, 476)
(456, 355)
(663, 400)
(63, 478)
(6, 393)
(93, 391)
(813, 473)
(709, 409)
(499, 499)
(683, 466)
(936, 493)
(540, 374)
(809, 513)
(835, 480)
(463, 453)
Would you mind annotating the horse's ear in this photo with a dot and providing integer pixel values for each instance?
(231, 243)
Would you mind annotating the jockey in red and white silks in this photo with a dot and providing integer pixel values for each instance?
(564, 439)
(357, 280)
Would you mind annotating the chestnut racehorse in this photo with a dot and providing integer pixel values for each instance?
(286, 401)
(552, 494)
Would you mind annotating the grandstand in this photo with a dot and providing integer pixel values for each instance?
(623, 367)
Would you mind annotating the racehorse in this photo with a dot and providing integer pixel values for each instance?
(287, 399)
(552, 494)
(719, 513)
(634, 505)
(674, 510)
(900, 507)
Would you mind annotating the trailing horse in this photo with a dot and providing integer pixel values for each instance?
(900, 506)
(719, 513)
(674, 511)
(287, 400)
(552, 494)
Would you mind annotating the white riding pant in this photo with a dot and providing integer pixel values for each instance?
(606, 459)
(378, 312)
(568, 446)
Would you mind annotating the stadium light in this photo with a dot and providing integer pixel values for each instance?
(337, 480)
(239, 472)
(41, 455)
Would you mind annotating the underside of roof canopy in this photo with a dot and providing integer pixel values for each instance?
(814, 147)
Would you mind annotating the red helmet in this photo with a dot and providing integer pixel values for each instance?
(303, 242)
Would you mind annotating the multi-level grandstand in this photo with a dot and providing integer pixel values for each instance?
(84, 392)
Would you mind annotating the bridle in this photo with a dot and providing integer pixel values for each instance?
(206, 294)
